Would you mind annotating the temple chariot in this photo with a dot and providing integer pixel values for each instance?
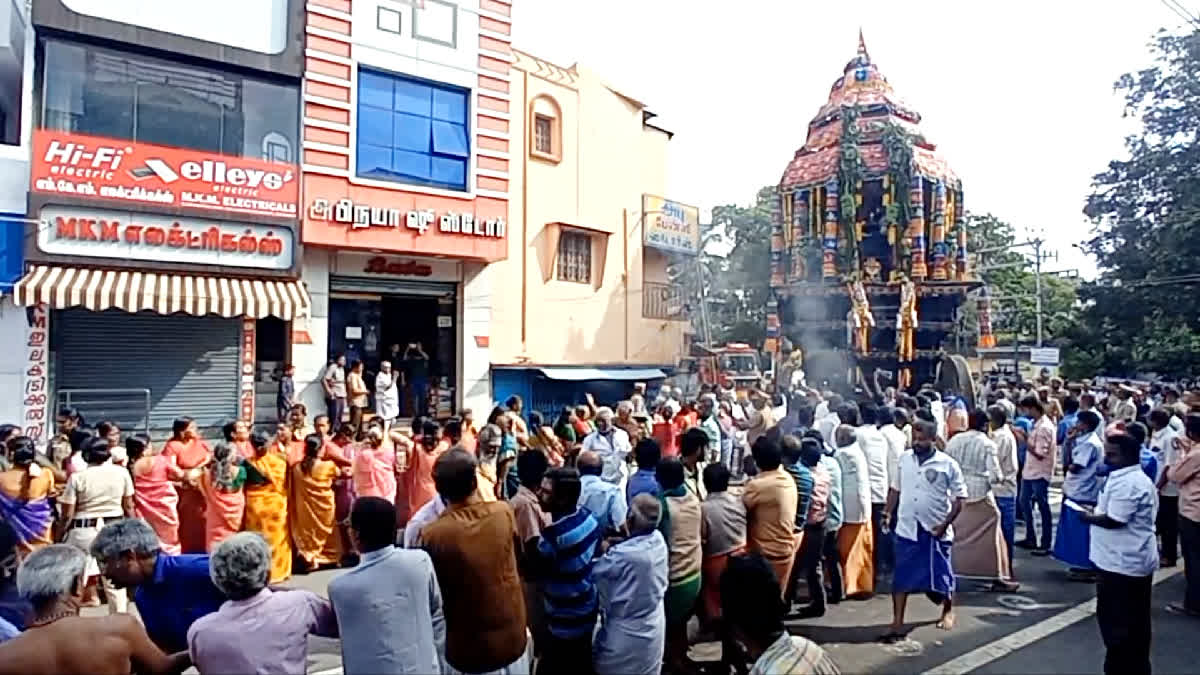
(869, 264)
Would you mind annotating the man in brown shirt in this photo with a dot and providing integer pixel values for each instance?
(60, 641)
(771, 501)
(473, 547)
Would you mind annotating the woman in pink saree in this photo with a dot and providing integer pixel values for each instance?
(375, 467)
(224, 501)
(155, 499)
(191, 455)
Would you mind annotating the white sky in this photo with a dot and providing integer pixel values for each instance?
(1017, 94)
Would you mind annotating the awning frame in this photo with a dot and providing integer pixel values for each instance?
(64, 287)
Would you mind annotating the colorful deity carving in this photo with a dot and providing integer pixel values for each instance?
(799, 223)
(960, 228)
(940, 249)
(916, 230)
(984, 306)
(829, 242)
(861, 319)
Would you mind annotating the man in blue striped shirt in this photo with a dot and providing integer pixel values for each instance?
(561, 562)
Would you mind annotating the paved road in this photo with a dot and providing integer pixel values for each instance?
(1048, 626)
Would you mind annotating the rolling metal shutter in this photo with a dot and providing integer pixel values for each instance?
(189, 364)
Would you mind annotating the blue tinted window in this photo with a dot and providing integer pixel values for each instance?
(411, 131)
(374, 90)
(450, 106)
(450, 139)
(374, 160)
(374, 125)
(447, 170)
(412, 97)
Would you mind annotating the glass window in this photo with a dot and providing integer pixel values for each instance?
(105, 92)
(425, 127)
(575, 257)
(543, 134)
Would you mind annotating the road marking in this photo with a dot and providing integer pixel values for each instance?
(331, 671)
(984, 655)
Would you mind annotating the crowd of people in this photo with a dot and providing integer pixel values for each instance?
(587, 543)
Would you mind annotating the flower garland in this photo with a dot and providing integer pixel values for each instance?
(898, 143)
(850, 177)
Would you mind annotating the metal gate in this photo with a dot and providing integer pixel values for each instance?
(189, 364)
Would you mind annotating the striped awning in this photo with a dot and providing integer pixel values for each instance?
(98, 290)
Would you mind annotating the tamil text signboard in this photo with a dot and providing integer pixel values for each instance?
(670, 226)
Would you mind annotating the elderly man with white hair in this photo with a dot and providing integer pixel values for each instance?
(631, 578)
(58, 640)
(613, 446)
(258, 630)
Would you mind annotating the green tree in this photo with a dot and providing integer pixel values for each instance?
(738, 285)
(1009, 275)
(1142, 314)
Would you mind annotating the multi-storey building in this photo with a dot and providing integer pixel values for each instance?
(406, 129)
(16, 86)
(162, 255)
(584, 300)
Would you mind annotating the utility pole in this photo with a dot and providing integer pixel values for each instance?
(1037, 286)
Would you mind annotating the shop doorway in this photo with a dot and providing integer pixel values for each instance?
(373, 328)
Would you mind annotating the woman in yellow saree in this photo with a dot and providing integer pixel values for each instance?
(313, 507)
(267, 503)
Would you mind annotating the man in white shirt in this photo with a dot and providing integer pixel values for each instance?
(102, 492)
(612, 444)
(1162, 444)
(875, 449)
(829, 421)
(980, 549)
(925, 497)
(1123, 548)
(856, 543)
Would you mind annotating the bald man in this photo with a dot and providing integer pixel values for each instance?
(58, 640)
(604, 500)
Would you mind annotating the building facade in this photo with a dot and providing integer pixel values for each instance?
(16, 87)
(584, 299)
(162, 254)
(406, 128)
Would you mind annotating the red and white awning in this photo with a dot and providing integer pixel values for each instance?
(98, 290)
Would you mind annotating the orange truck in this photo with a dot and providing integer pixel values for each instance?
(733, 366)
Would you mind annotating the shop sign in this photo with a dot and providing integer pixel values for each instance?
(362, 216)
(83, 232)
(81, 166)
(36, 403)
(400, 268)
(246, 393)
(670, 226)
(352, 264)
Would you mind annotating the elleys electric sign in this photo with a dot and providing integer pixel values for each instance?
(91, 167)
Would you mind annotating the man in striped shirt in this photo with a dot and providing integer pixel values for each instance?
(561, 561)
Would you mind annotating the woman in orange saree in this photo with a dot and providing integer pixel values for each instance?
(25, 491)
(267, 504)
(191, 455)
(313, 507)
(225, 503)
(155, 499)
